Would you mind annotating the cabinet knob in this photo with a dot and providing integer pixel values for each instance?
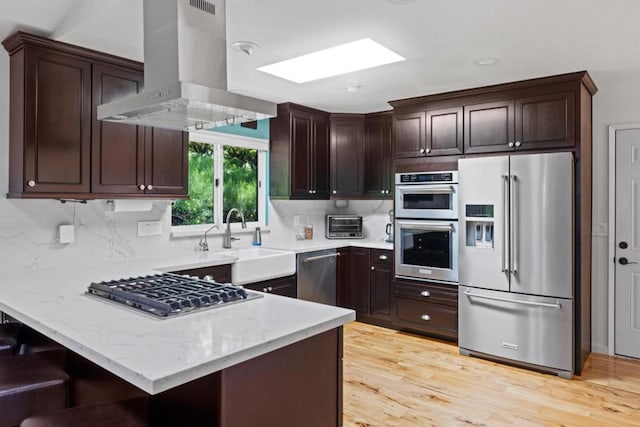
(518, 143)
(373, 267)
(141, 186)
(31, 183)
(425, 317)
(313, 191)
(149, 187)
(425, 294)
(422, 151)
(428, 150)
(381, 191)
(310, 191)
(335, 192)
(383, 257)
(264, 289)
(510, 144)
(270, 288)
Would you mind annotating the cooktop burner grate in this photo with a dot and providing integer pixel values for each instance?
(169, 294)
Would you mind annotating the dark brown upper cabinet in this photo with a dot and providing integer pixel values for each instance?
(378, 182)
(58, 148)
(50, 123)
(435, 132)
(531, 123)
(347, 155)
(299, 153)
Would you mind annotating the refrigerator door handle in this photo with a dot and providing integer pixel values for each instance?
(513, 224)
(556, 305)
(505, 215)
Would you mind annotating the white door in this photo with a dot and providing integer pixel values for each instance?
(627, 243)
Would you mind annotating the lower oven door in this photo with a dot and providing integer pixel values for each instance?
(426, 250)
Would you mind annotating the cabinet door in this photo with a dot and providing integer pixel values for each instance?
(377, 158)
(117, 149)
(489, 127)
(320, 157)
(408, 135)
(285, 286)
(57, 129)
(546, 121)
(302, 160)
(343, 288)
(359, 276)
(166, 162)
(444, 132)
(347, 157)
(381, 276)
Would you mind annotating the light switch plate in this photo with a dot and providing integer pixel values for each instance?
(149, 228)
(66, 233)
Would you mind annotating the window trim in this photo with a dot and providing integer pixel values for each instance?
(219, 140)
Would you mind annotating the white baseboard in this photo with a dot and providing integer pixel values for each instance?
(596, 348)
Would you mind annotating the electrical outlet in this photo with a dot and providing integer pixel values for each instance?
(149, 228)
(600, 229)
(296, 220)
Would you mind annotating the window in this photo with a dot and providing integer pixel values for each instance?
(224, 172)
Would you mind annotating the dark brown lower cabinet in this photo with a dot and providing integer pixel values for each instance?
(426, 307)
(218, 273)
(285, 286)
(380, 283)
(343, 282)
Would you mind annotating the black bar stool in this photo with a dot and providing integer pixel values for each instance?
(31, 384)
(123, 413)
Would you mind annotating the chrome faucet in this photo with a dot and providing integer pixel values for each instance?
(227, 239)
(204, 246)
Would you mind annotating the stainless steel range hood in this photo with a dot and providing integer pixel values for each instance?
(185, 72)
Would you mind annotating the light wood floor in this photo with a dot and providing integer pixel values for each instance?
(397, 379)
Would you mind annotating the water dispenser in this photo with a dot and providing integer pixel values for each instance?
(480, 222)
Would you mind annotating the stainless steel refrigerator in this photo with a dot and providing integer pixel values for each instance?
(516, 259)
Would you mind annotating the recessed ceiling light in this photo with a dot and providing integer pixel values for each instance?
(354, 56)
(486, 61)
(353, 87)
(244, 46)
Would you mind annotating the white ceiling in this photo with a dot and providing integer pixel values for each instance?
(439, 38)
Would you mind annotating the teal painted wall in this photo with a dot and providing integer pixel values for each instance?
(261, 132)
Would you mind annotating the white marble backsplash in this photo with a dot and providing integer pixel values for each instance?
(28, 230)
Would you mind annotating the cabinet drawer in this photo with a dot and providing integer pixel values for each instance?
(220, 273)
(442, 320)
(381, 257)
(285, 286)
(427, 292)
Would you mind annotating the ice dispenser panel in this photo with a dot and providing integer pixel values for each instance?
(480, 221)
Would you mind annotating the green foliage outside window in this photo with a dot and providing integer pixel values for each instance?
(240, 185)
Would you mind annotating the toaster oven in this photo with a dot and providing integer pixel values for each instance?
(343, 227)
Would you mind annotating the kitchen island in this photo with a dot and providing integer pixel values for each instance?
(271, 358)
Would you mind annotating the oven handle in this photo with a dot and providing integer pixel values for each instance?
(556, 305)
(427, 225)
(431, 189)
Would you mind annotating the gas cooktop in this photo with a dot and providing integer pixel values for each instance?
(166, 294)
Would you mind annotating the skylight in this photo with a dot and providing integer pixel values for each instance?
(346, 58)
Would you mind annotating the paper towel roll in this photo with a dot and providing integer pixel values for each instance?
(130, 205)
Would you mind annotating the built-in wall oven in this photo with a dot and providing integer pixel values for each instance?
(426, 226)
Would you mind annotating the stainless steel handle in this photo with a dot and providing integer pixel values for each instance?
(425, 294)
(428, 226)
(433, 189)
(31, 183)
(505, 214)
(141, 186)
(383, 257)
(319, 257)
(149, 187)
(513, 226)
(556, 305)
(425, 317)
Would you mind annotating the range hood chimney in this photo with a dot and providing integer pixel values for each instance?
(185, 72)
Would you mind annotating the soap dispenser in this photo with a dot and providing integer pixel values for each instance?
(257, 237)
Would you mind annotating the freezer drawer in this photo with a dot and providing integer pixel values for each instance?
(523, 328)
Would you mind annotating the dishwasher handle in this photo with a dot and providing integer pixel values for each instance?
(319, 257)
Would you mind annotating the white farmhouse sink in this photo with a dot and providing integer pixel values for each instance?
(257, 264)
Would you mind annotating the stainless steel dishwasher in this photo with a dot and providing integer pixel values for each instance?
(317, 276)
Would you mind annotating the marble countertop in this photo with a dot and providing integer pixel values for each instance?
(300, 246)
(158, 354)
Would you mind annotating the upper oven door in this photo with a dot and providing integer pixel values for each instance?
(427, 201)
(426, 250)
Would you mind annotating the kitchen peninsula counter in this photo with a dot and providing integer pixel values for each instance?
(158, 354)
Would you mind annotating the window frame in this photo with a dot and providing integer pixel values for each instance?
(219, 140)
